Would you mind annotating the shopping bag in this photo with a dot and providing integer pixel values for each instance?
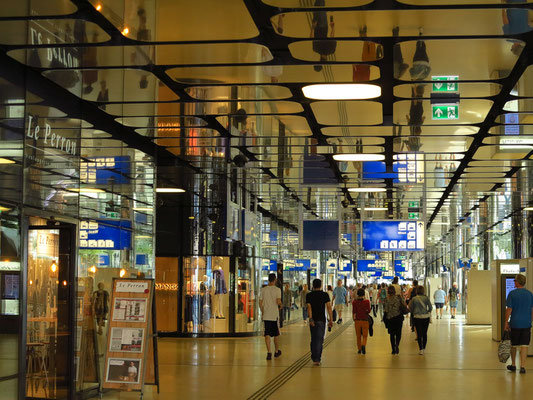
(334, 315)
(504, 348)
(370, 325)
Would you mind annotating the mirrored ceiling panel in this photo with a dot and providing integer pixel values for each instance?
(499, 152)
(112, 85)
(172, 54)
(345, 51)
(438, 22)
(51, 31)
(231, 93)
(465, 90)
(37, 8)
(458, 2)
(474, 59)
(179, 20)
(398, 130)
(347, 112)
(434, 144)
(280, 125)
(523, 87)
(316, 3)
(268, 74)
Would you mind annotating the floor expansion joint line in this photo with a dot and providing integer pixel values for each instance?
(282, 378)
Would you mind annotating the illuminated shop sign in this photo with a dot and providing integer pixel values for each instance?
(47, 138)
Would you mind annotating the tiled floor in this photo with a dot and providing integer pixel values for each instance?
(460, 363)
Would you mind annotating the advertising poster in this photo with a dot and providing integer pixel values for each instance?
(126, 339)
(129, 310)
(123, 370)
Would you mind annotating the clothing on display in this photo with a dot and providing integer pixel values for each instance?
(220, 282)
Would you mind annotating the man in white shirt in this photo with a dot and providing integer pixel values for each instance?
(396, 286)
(270, 303)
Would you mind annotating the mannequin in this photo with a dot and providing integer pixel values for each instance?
(100, 306)
(219, 291)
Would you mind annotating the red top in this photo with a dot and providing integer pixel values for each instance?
(361, 309)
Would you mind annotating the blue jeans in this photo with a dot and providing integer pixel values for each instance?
(317, 339)
(304, 313)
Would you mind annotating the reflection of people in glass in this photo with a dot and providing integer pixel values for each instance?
(399, 66)
(319, 31)
(420, 68)
(515, 21)
(142, 54)
(415, 118)
(361, 72)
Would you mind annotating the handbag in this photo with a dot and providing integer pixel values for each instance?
(504, 348)
(370, 325)
(403, 307)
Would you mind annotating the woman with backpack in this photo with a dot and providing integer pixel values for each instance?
(394, 308)
(420, 307)
(361, 311)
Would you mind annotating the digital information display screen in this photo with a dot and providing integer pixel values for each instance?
(393, 235)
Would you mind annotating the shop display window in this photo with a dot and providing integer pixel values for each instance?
(206, 294)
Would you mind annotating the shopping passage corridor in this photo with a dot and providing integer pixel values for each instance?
(460, 362)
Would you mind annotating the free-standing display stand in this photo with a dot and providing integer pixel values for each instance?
(131, 353)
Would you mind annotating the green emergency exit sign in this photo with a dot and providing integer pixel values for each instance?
(445, 111)
(445, 83)
(414, 204)
(414, 215)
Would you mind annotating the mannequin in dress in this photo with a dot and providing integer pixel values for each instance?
(100, 306)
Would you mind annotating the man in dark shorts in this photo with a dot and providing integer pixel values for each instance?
(270, 303)
(520, 310)
(318, 302)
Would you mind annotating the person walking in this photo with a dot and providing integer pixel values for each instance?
(382, 296)
(269, 304)
(361, 310)
(374, 299)
(520, 311)
(340, 298)
(393, 318)
(287, 302)
(410, 294)
(317, 303)
(303, 302)
(439, 297)
(453, 297)
(396, 286)
(420, 307)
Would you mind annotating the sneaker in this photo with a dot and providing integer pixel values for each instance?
(363, 349)
(277, 353)
(522, 370)
(421, 352)
(358, 351)
(316, 363)
(511, 368)
(269, 356)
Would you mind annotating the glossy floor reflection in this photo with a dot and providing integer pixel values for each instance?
(460, 362)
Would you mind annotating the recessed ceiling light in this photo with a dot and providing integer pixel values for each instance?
(170, 190)
(358, 157)
(375, 209)
(367, 190)
(341, 91)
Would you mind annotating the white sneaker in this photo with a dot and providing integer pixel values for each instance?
(421, 352)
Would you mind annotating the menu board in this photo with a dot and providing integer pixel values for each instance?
(130, 349)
